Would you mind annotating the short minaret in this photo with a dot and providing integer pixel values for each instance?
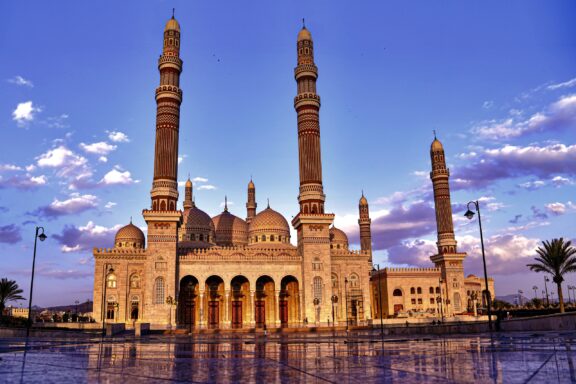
(251, 204)
(364, 223)
(164, 192)
(188, 202)
(448, 259)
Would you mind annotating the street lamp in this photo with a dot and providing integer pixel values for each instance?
(546, 280)
(535, 288)
(569, 294)
(377, 270)
(469, 214)
(42, 236)
(170, 301)
(346, 299)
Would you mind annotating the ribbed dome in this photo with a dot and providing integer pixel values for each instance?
(230, 230)
(251, 184)
(130, 236)
(172, 24)
(304, 34)
(269, 220)
(436, 146)
(338, 237)
(188, 183)
(195, 218)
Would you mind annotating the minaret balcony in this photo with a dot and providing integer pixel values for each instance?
(169, 91)
(307, 99)
(170, 61)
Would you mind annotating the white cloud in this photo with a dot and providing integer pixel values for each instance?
(24, 113)
(556, 209)
(100, 148)
(181, 158)
(199, 179)
(567, 84)
(38, 180)
(67, 249)
(118, 137)
(78, 239)
(115, 177)
(103, 159)
(558, 181)
(19, 80)
(30, 168)
(532, 185)
(23, 181)
(206, 187)
(488, 104)
(59, 157)
(9, 167)
(110, 204)
(75, 204)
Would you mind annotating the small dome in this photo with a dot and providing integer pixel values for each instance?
(338, 238)
(188, 183)
(304, 34)
(251, 184)
(436, 146)
(230, 230)
(172, 24)
(363, 200)
(269, 220)
(129, 236)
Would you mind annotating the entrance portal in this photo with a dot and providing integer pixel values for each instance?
(260, 309)
(213, 313)
(236, 314)
(283, 313)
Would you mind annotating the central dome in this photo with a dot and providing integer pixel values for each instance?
(338, 238)
(269, 227)
(197, 226)
(129, 236)
(230, 230)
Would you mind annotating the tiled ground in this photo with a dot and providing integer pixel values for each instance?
(297, 358)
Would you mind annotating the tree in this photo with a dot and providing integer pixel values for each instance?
(557, 258)
(9, 291)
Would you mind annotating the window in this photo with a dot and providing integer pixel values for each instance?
(431, 300)
(354, 281)
(134, 281)
(317, 284)
(201, 237)
(271, 237)
(263, 237)
(437, 289)
(159, 291)
(431, 290)
(316, 264)
(419, 290)
(413, 301)
(412, 291)
(134, 308)
(334, 281)
(419, 301)
(397, 292)
(111, 305)
(111, 280)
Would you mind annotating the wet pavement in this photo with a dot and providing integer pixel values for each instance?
(295, 358)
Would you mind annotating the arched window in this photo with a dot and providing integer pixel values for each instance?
(334, 281)
(354, 281)
(134, 307)
(437, 289)
(201, 237)
(263, 237)
(316, 264)
(419, 290)
(412, 291)
(317, 287)
(111, 306)
(271, 237)
(135, 281)
(431, 290)
(255, 239)
(159, 291)
(397, 292)
(111, 280)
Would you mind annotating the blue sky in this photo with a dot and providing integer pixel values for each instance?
(496, 80)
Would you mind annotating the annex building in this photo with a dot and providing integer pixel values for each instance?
(197, 271)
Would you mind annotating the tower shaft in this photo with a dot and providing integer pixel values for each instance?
(251, 203)
(364, 222)
(164, 192)
(439, 176)
(307, 106)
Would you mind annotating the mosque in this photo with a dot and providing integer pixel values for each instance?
(194, 271)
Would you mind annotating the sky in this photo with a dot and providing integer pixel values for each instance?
(496, 81)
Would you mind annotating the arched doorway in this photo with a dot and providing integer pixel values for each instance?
(187, 302)
(264, 301)
(239, 306)
(289, 301)
(214, 300)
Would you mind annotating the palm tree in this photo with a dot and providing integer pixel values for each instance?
(9, 291)
(557, 258)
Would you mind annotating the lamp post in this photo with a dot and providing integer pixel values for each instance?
(469, 214)
(170, 301)
(42, 236)
(377, 270)
(546, 279)
(346, 299)
(535, 288)
(440, 300)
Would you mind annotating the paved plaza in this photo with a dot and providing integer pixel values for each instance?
(295, 358)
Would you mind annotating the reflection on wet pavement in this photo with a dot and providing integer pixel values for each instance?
(361, 358)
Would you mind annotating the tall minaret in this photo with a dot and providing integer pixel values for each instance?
(251, 204)
(307, 105)
(311, 223)
(168, 99)
(448, 259)
(364, 223)
(439, 175)
(163, 219)
(188, 202)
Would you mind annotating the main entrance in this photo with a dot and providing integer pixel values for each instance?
(187, 302)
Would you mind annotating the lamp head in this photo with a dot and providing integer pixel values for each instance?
(42, 236)
(469, 214)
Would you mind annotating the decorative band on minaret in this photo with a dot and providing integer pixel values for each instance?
(164, 191)
(307, 106)
(251, 203)
(440, 175)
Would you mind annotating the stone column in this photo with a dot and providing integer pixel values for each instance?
(252, 309)
(277, 296)
(300, 308)
(201, 299)
(226, 310)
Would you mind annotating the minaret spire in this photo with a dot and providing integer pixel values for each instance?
(364, 222)
(251, 203)
(164, 192)
(225, 203)
(307, 106)
(188, 199)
